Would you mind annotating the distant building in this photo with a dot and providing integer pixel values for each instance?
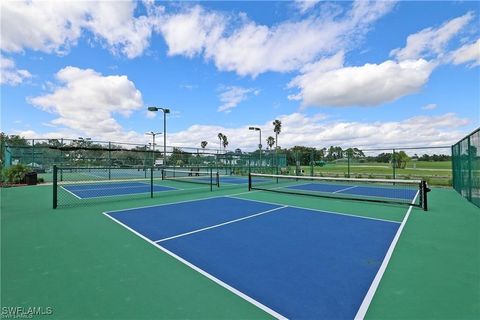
(238, 151)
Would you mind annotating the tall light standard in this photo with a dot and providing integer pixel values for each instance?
(260, 141)
(165, 111)
(82, 142)
(153, 134)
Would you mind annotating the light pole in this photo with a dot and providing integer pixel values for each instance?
(260, 141)
(153, 134)
(165, 111)
(83, 142)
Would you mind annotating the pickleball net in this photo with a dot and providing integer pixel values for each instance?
(405, 192)
(207, 177)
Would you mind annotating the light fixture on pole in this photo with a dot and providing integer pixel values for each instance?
(153, 134)
(165, 111)
(260, 141)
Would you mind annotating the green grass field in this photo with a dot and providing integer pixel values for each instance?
(437, 173)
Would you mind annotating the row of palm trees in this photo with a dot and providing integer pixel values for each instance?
(277, 128)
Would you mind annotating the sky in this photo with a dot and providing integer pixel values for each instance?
(354, 74)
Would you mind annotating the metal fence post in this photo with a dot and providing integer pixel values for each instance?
(55, 176)
(469, 169)
(109, 160)
(151, 181)
(394, 164)
(348, 165)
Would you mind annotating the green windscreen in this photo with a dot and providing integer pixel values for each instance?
(466, 167)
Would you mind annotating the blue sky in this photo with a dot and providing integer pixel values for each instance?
(360, 74)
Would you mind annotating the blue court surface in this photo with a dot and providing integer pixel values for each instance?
(293, 262)
(366, 191)
(97, 190)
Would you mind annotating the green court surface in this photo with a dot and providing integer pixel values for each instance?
(78, 262)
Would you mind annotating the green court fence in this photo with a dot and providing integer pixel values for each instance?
(466, 167)
(432, 164)
(41, 155)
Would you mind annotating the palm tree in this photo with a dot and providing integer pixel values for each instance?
(277, 128)
(220, 137)
(224, 142)
(401, 159)
(203, 144)
(270, 141)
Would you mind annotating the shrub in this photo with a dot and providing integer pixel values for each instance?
(40, 180)
(16, 173)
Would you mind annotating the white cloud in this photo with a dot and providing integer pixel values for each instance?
(305, 5)
(233, 95)
(189, 32)
(430, 106)
(431, 42)
(55, 26)
(316, 131)
(326, 84)
(252, 49)
(467, 53)
(10, 75)
(85, 102)
(150, 114)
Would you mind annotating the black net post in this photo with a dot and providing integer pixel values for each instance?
(424, 190)
(211, 179)
(55, 186)
(249, 181)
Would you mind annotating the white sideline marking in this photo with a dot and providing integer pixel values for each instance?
(183, 201)
(203, 272)
(73, 194)
(220, 224)
(317, 210)
(113, 187)
(344, 189)
(362, 311)
(172, 189)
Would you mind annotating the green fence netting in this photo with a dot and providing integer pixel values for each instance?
(466, 167)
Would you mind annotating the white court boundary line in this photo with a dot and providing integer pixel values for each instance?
(345, 189)
(362, 311)
(172, 189)
(144, 185)
(204, 273)
(316, 210)
(73, 194)
(220, 224)
(184, 201)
